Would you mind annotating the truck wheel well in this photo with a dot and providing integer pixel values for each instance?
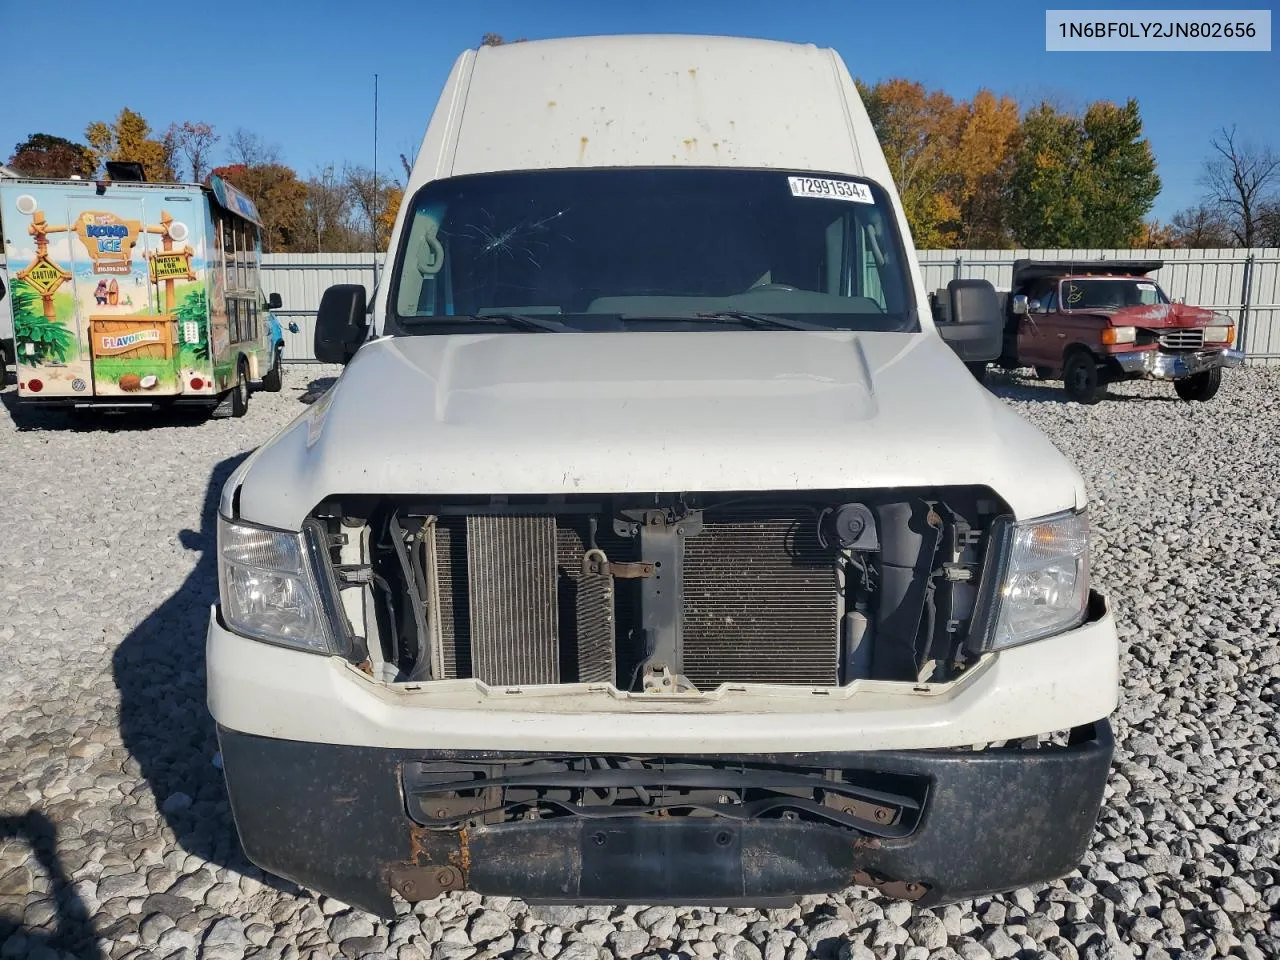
(1106, 369)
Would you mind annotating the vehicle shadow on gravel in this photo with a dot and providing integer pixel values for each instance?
(316, 388)
(1012, 387)
(26, 417)
(72, 932)
(159, 670)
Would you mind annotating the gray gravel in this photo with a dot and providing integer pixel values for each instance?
(116, 839)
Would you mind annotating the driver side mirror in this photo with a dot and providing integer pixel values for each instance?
(274, 302)
(976, 329)
(341, 324)
(1019, 304)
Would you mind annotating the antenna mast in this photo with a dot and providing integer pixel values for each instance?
(374, 205)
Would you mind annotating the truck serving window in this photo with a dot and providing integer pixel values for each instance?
(603, 248)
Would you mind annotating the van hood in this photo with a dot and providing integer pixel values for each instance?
(571, 413)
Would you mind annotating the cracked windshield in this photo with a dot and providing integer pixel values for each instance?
(607, 249)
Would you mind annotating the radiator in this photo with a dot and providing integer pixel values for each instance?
(513, 601)
(588, 642)
(760, 601)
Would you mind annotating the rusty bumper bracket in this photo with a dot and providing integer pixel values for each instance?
(901, 889)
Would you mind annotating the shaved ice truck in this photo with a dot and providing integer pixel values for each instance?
(134, 294)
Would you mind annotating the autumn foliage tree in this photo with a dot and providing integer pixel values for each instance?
(987, 129)
(56, 158)
(946, 157)
(128, 138)
(281, 200)
(918, 130)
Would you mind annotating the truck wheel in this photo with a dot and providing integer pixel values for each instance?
(1200, 386)
(1081, 380)
(235, 402)
(240, 392)
(274, 378)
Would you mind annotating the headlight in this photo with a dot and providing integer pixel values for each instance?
(1045, 584)
(1119, 334)
(1219, 335)
(268, 587)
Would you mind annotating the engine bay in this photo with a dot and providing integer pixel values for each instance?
(663, 593)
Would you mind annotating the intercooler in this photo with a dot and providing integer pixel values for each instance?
(757, 602)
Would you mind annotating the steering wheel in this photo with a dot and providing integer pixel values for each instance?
(773, 286)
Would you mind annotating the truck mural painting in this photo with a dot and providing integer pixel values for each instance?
(135, 293)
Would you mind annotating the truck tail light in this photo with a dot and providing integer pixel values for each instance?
(35, 386)
(1119, 334)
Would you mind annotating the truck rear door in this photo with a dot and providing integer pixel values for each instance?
(128, 252)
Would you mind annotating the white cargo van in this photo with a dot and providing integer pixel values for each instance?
(654, 544)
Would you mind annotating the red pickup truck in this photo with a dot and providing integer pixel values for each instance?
(1091, 323)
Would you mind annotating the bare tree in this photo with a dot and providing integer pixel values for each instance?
(1269, 225)
(1240, 178)
(1201, 228)
(194, 143)
(329, 219)
(250, 149)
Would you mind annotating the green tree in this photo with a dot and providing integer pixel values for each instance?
(1081, 180)
(54, 158)
(128, 137)
(51, 340)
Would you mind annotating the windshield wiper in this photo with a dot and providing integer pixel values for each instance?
(740, 317)
(516, 321)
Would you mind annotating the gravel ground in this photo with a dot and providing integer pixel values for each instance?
(116, 840)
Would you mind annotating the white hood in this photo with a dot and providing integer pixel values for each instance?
(519, 413)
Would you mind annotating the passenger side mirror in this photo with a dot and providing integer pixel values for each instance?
(340, 323)
(1019, 304)
(976, 328)
(274, 302)
(1035, 306)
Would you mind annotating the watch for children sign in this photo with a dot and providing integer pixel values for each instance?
(109, 240)
(175, 265)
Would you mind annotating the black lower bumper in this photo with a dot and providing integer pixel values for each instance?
(341, 821)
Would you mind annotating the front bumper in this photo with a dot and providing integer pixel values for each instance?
(1057, 683)
(341, 820)
(1164, 365)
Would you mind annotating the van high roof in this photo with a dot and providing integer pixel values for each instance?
(651, 100)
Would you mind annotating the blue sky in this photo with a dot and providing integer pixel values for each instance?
(301, 75)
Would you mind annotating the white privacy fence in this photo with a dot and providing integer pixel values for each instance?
(1244, 284)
